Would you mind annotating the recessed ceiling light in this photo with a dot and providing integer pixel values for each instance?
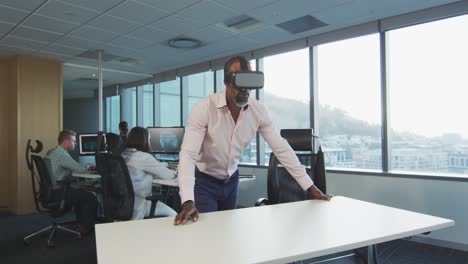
(94, 75)
(184, 43)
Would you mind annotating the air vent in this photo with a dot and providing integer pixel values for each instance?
(241, 24)
(301, 24)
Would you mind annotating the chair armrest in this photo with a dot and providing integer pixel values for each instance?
(154, 201)
(262, 201)
(65, 183)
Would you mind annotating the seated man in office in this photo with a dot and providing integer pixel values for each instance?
(61, 165)
(219, 128)
(123, 129)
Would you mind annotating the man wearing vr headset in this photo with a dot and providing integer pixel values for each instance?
(219, 128)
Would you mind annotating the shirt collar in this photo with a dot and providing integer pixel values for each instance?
(222, 100)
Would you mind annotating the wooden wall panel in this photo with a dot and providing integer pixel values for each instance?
(40, 116)
(4, 121)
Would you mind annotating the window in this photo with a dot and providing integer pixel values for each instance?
(427, 85)
(196, 87)
(348, 79)
(168, 103)
(129, 106)
(220, 80)
(147, 105)
(113, 114)
(287, 91)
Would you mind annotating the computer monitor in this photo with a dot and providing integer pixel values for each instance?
(165, 140)
(87, 144)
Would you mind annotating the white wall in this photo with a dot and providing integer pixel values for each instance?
(448, 199)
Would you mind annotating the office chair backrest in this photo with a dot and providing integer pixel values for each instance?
(114, 143)
(39, 193)
(44, 195)
(30, 149)
(100, 148)
(118, 194)
(282, 187)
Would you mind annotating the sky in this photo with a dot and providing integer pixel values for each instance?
(427, 77)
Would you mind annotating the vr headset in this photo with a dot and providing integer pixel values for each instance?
(246, 80)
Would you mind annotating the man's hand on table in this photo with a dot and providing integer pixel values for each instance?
(188, 212)
(315, 194)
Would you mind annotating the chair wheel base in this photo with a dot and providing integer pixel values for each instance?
(26, 242)
(50, 245)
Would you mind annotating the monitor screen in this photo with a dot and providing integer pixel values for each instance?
(165, 139)
(87, 144)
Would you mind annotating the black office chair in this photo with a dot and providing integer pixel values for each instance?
(114, 143)
(44, 199)
(117, 189)
(283, 188)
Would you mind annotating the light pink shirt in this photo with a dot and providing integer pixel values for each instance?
(214, 143)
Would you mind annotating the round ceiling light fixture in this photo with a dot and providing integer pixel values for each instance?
(184, 43)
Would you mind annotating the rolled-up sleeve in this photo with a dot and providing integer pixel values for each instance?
(194, 134)
(283, 151)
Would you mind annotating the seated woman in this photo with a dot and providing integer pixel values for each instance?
(143, 169)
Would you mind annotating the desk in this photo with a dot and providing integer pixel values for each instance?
(172, 182)
(267, 234)
(87, 175)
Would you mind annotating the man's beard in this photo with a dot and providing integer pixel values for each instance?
(242, 98)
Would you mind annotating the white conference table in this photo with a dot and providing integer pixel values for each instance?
(172, 182)
(267, 234)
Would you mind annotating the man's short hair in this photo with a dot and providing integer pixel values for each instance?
(65, 134)
(123, 125)
(231, 61)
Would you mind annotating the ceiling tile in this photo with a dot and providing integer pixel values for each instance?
(268, 35)
(55, 48)
(158, 50)
(97, 5)
(5, 28)
(343, 13)
(170, 5)
(94, 34)
(132, 43)
(11, 15)
(114, 24)
(26, 5)
(209, 35)
(208, 13)
(267, 15)
(176, 24)
(22, 43)
(138, 12)
(152, 35)
(245, 5)
(119, 51)
(67, 12)
(53, 56)
(35, 34)
(78, 42)
(291, 9)
(50, 24)
(12, 50)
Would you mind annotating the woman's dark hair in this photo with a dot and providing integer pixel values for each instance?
(138, 139)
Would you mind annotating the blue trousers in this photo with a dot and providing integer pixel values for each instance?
(212, 194)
